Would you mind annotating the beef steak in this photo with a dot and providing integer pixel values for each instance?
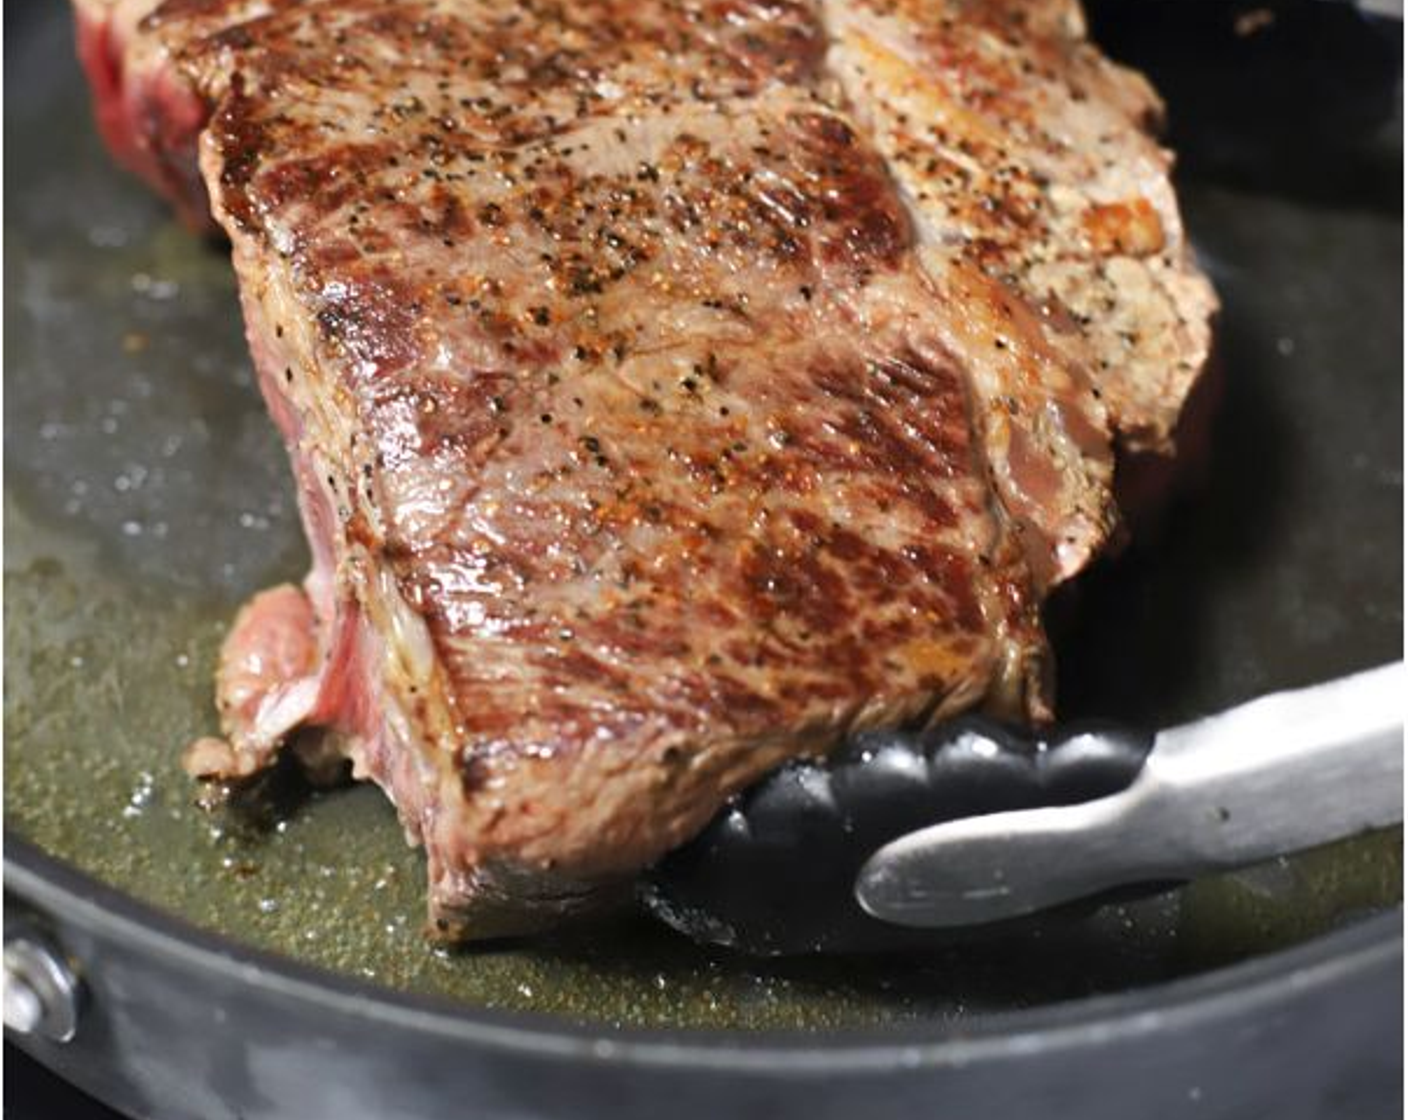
(672, 386)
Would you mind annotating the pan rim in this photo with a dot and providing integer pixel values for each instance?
(56, 886)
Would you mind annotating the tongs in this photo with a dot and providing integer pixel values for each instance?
(971, 827)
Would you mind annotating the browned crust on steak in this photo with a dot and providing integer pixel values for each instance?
(664, 423)
(1027, 154)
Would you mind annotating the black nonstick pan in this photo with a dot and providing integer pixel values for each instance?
(229, 967)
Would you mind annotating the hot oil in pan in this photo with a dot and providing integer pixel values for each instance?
(147, 495)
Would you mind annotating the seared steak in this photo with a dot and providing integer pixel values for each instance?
(672, 386)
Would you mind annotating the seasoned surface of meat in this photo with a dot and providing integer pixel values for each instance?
(672, 386)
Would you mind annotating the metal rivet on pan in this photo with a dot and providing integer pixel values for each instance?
(41, 991)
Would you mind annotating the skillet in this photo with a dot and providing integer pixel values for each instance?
(231, 969)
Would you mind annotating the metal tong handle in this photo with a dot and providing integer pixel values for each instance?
(1280, 774)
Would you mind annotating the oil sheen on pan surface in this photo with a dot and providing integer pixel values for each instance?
(147, 495)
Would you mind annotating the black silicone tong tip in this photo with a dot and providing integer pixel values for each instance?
(773, 873)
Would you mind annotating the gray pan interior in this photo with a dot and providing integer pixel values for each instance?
(146, 495)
